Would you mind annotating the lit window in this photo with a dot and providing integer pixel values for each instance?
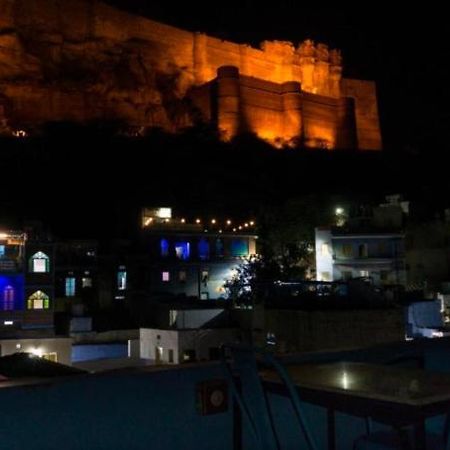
(182, 276)
(121, 280)
(2, 250)
(164, 247)
(166, 276)
(325, 276)
(239, 247)
(39, 263)
(205, 276)
(364, 273)
(183, 250)
(86, 282)
(8, 298)
(38, 300)
(347, 250)
(325, 250)
(70, 287)
(203, 249)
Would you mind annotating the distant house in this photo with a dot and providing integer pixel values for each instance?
(343, 254)
(26, 282)
(176, 257)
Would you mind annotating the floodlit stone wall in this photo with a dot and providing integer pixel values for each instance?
(79, 60)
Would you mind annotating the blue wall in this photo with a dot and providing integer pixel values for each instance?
(153, 410)
(157, 410)
(98, 351)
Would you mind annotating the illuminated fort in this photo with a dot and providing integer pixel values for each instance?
(74, 60)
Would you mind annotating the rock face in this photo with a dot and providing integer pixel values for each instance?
(81, 60)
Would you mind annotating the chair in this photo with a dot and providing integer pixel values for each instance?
(248, 391)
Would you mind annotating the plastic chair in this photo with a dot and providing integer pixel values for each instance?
(248, 391)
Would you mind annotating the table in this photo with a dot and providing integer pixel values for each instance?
(389, 395)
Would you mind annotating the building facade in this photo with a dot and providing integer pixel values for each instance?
(26, 282)
(343, 254)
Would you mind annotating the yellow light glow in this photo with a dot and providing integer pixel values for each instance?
(183, 220)
(220, 231)
(3, 235)
(234, 229)
(148, 221)
(197, 220)
(213, 221)
(240, 227)
(246, 225)
(252, 223)
(37, 351)
(228, 222)
(167, 220)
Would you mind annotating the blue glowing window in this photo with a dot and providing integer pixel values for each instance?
(219, 247)
(183, 250)
(11, 292)
(203, 249)
(2, 250)
(164, 247)
(70, 287)
(9, 295)
(239, 247)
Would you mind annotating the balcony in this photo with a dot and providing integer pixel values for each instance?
(11, 265)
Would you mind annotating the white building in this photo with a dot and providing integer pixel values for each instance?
(344, 254)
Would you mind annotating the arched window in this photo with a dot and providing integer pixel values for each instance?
(9, 295)
(38, 300)
(39, 263)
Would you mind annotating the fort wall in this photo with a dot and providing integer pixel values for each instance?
(84, 60)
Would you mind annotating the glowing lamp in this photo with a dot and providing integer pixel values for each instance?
(213, 221)
(164, 213)
(228, 222)
(37, 351)
(197, 221)
(339, 211)
(252, 223)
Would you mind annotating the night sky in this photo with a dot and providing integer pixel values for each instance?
(405, 50)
